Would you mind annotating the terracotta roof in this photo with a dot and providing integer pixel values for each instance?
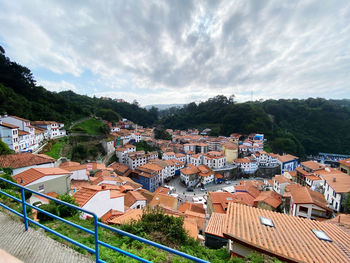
(286, 158)
(194, 207)
(281, 179)
(190, 227)
(242, 160)
(189, 170)
(243, 197)
(84, 195)
(178, 155)
(149, 195)
(339, 181)
(313, 177)
(345, 162)
(218, 176)
(216, 224)
(21, 133)
(34, 174)
(162, 190)
(73, 168)
(291, 238)
(199, 218)
(132, 196)
(313, 165)
(304, 195)
(231, 146)
(78, 184)
(118, 167)
(164, 200)
(220, 200)
(302, 171)
(69, 163)
(19, 160)
(152, 167)
(269, 197)
(129, 216)
(19, 118)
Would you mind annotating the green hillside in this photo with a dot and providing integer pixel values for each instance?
(295, 126)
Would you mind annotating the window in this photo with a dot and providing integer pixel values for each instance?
(303, 209)
(266, 221)
(321, 235)
(41, 188)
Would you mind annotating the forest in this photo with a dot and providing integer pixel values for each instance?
(295, 126)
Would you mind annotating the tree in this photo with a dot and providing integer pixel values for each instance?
(4, 149)
(346, 204)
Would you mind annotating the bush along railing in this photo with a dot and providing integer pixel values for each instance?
(96, 223)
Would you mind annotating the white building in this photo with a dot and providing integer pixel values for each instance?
(136, 159)
(168, 155)
(214, 160)
(247, 165)
(54, 129)
(196, 159)
(279, 184)
(189, 176)
(99, 200)
(180, 157)
(9, 135)
(336, 185)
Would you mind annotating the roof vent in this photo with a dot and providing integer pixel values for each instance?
(266, 221)
(321, 235)
(327, 169)
(229, 198)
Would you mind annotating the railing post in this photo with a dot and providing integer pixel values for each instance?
(24, 208)
(97, 254)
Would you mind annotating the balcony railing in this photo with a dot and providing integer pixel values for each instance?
(97, 224)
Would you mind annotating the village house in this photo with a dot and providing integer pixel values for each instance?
(258, 230)
(336, 185)
(214, 159)
(268, 200)
(168, 169)
(168, 155)
(265, 159)
(247, 165)
(279, 184)
(9, 135)
(180, 157)
(135, 200)
(78, 171)
(196, 159)
(287, 162)
(21, 162)
(136, 159)
(99, 200)
(230, 150)
(306, 203)
(307, 168)
(206, 175)
(54, 129)
(148, 178)
(189, 176)
(45, 180)
(344, 166)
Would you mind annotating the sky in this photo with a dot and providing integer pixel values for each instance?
(174, 51)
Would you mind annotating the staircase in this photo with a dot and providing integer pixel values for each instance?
(33, 245)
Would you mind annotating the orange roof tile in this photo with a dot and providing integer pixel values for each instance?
(129, 216)
(313, 165)
(194, 207)
(84, 195)
(345, 162)
(216, 224)
(281, 179)
(290, 239)
(133, 196)
(304, 195)
(339, 181)
(8, 125)
(162, 190)
(190, 227)
(18, 160)
(286, 158)
(164, 200)
(34, 174)
(269, 197)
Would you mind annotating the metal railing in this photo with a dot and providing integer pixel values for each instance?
(97, 224)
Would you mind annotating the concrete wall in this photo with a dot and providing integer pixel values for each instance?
(59, 184)
(101, 203)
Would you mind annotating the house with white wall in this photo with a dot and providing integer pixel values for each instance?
(79, 171)
(214, 159)
(21, 162)
(279, 184)
(247, 165)
(135, 200)
(99, 200)
(9, 135)
(196, 159)
(189, 176)
(336, 185)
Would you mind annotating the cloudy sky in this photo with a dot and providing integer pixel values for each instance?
(181, 51)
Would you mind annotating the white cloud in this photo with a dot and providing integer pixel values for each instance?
(174, 52)
(57, 86)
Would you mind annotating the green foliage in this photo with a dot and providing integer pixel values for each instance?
(51, 208)
(292, 126)
(4, 149)
(91, 126)
(161, 134)
(108, 115)
(8, 177)
(144, 146)
(346, 204)
(79, 152)
(56, 147)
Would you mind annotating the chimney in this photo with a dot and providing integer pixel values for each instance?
(334, 179)
(103, 187)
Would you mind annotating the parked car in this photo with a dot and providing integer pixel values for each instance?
(227, 182)
(190, 189)
(203, 189)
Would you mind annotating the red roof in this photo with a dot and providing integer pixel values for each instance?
(34, 174)
(19, 160)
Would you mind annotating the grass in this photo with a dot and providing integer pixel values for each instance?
(56, 147)
(91, 127)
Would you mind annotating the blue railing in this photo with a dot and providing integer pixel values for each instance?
(97, 224)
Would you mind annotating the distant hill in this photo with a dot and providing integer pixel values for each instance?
(294, 126)
(164, 106)
(19, 95)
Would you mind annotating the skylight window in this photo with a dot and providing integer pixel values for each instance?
(266, 221)
(229, 198)
(321, 235)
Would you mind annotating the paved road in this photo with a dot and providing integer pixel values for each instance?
(33, 245)
(187, 196)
